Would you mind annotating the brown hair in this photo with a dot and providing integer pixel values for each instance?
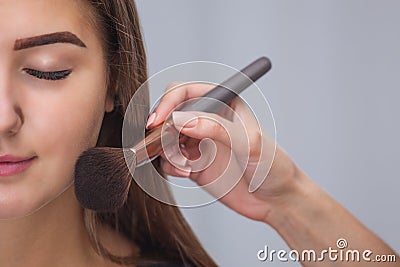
(158, 229)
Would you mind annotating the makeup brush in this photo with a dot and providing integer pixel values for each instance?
(102, 176)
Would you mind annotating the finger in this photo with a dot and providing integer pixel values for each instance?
(189, 149)
(252, 124)
(172, 152)
(200, 125)
(170, 169)
(176, 93)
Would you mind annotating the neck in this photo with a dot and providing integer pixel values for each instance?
(50, 235)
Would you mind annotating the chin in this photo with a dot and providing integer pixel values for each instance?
(18, 203)
(14, 208)
(35, 189)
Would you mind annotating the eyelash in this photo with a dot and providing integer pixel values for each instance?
(51, 76)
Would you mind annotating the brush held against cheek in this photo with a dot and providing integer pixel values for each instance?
(102, 174)
(101, 178)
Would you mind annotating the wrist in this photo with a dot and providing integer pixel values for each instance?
(294, 213)
(290, 199)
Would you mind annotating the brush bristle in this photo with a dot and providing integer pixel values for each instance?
(102, 178)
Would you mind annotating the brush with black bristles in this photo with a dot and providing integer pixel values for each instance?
(102, 175)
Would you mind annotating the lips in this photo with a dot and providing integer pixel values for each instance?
(13, 165)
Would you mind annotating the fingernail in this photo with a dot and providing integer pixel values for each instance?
(184, 119)
(151, 119)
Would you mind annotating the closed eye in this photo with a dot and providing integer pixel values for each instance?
(52, 75)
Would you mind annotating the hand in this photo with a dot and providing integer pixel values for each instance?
(223, 130)
(287, 199)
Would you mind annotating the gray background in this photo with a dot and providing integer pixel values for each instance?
(334, 92)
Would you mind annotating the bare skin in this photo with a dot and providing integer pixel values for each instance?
(54, 121)
(57, 238)
(50, 121)
(301, 212)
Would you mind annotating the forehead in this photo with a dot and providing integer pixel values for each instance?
(25, 18)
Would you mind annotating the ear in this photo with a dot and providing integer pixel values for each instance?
(109, 104)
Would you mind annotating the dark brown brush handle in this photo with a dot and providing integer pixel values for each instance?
(151, 146)
(231, 88)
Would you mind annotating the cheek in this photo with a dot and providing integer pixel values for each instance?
(64, 123)
(70, 126)
(58, 126)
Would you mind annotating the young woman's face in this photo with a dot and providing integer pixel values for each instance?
(52, 99)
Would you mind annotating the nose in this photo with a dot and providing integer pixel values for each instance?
(10, 113)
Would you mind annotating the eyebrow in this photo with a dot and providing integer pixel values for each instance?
(46, 39)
